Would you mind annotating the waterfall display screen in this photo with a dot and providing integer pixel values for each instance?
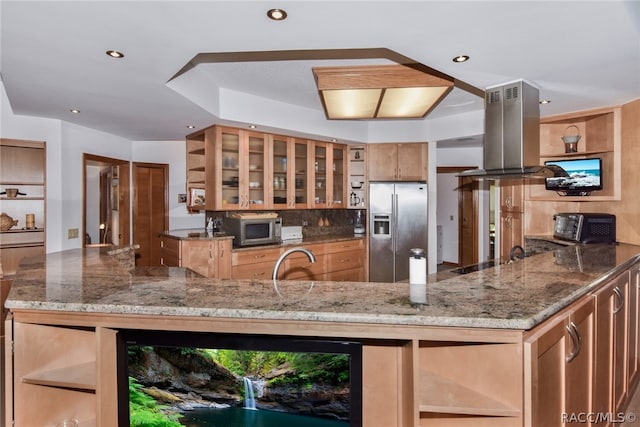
(176, 366)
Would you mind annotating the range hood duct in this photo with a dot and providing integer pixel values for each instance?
(512, 133)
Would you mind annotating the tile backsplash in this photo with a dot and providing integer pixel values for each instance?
(315, 222)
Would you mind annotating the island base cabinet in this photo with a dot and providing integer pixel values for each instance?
(64, 372)
(469, 383)
(611, 341)
(387, 386)
(559, 373)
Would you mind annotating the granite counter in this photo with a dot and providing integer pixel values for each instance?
(511, 296)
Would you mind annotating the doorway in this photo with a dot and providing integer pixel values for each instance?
(150, 211)
(106, 206)
(457, 217)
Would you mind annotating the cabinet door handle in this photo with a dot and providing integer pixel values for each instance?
(620, 299)
(572, 329)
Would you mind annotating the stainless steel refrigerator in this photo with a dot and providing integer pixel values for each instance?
(398, 223)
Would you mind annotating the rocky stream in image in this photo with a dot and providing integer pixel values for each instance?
(186, 380)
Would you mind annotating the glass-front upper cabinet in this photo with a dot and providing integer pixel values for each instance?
(252, 195)
(300, 173)
(280, 172)
(240, 170)
(338, 172)
(228, 170)
(321, 159)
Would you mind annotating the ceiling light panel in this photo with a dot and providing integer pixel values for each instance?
(379, 91)
(351, 103)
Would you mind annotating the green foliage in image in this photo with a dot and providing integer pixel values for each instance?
(304, 368)
(145, 412)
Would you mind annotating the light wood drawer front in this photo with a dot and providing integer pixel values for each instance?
(350, 275)
(302, 268)
(346, 245)
(258, 255)
(21, 238)
(345, 260)
(260, 270)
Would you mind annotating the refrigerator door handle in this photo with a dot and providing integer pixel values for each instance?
(395, 220)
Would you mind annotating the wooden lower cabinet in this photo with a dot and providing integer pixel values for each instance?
(210, 258)
(335, 261)
(511, 233)
(634, 326)
(559, 373)
(67, 372)
(611, 385)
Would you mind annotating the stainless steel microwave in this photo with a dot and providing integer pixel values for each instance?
(248, 230)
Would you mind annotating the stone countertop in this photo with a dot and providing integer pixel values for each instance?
(510, 296)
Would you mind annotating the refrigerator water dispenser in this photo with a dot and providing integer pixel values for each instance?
(381, 225)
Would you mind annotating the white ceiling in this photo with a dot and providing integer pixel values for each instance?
(580, 54)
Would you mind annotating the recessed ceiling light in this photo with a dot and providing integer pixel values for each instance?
(252, 126)
(545, 101)
(190, 126)
(115, 54)
(277, 14)
(75, 111)
(461, 58)
(334, 140)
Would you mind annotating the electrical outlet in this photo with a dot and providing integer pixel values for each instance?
(72, 233)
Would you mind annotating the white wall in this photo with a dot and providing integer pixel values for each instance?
(66, 142)
(39, 129)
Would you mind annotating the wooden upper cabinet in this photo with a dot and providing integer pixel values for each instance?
(397, 162)
(512, 195)
(239, 169)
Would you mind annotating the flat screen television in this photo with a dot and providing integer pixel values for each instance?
(581, 178)
(184, 343)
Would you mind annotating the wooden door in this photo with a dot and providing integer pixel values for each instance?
(150, 211)
(468, 221)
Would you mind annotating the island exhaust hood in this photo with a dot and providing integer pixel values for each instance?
(512, 133)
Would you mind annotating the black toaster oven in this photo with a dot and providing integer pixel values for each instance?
(585, 227)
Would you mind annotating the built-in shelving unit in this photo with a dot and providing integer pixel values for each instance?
(357, 180)
(463, 381)
(22, 167)
(195, 170)
(56, 367)
(600, 136)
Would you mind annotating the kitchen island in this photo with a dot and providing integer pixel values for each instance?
(466, 355)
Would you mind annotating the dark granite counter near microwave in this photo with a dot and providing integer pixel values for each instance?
(509, 296)
(202, 234)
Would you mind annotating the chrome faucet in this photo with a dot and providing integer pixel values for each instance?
(281, 258)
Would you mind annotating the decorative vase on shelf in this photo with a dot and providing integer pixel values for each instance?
(571, 141)
(6, 222)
